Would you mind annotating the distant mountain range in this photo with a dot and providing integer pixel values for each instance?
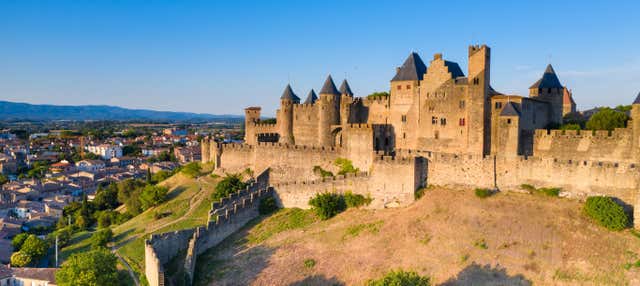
(25, 111)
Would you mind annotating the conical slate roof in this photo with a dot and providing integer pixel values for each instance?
(412, 69)
(311, 98)
(637, 101)
(329, 87)
(345, 88)
(510, 109)
(549, 79)
(288, 94)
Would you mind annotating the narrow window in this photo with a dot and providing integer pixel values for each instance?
(404, 135)
(399, 87)
(461, 104)
(434, 120)
(509, 121)
(443, 121)
(408, 86)
(498, 105)
(404, 118)
(436, 134)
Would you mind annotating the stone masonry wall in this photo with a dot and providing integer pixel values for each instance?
(615, 146)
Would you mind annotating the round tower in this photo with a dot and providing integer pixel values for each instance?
(328, 112)
(285, 115)
(251, 117)
(346, 99)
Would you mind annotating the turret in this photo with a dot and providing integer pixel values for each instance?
(251, 117)
(329, 114)
(285, 115)
(405, 90)
(311, 97)
(549, 88)
(346, 99)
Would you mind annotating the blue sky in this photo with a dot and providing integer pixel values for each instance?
(221, 56)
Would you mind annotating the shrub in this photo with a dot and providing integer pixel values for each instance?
(419, 193)
(191, 170)
(552, 192)
(327, 205)
(528, 187)
(480, 243)
(267, 205)
(401, 278)
(346, 166)
(322, 172)
(606, 212)
(19, 259)
(483, 193)
(231, 183)
(354, 200)
(152, 196)
(309, 263)
(18, 240)
(96, 267)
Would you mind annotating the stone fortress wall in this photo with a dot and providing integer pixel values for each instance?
(611, 146)
(226, 217)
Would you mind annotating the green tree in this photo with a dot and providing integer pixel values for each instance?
(229, 184)
(106, 198)
(92, 268)
(18, 240)
(152, 196)
(34, 246)
(3, 179)
(607, 119)
(101, 237)
(20, 259)
(346, 166)
(606, 212)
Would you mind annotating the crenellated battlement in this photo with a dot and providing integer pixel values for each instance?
(323, 180)
(359, 126)
(602, 134)
(297, 147)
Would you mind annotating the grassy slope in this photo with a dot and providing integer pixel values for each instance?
(452, 236)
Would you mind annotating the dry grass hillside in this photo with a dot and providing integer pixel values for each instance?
(452, 236)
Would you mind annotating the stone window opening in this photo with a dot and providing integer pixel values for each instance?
(404, 135)
(508, 120)
(399, 87)
(443, 121)
(498, 105)
(461, 104)
(434, 120)
(461, 122)
(476, 81)
(404, 118)
(408, 86)
(436, 134)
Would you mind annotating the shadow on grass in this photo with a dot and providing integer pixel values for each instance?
(216, 265)
(319, 280)
(478, 275)
(174, 193)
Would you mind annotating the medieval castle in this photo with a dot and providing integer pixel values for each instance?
(437, 126)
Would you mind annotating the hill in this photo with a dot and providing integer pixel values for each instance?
(452, 236)
(25, 111)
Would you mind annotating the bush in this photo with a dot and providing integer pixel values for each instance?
(322, 172)
(552, 192)
(101, 238)
(401, 278)
(18, 240)
(231, 183)
(483, 193)
(19, 259)
(606, 212)
(152, 196)
(327, 205)
(191, 170)
(528, 187)
(354, 200)
(309, 263)
(34, 247)
(267, 205)
(346, 166)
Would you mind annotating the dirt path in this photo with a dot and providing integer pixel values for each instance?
(124, 262)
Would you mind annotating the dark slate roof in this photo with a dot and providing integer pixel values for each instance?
(549, 80)
(637, 101)
(311, 98)
(345, 88)
(510, 109)
(288, 94)
(454, 69)
(329, 87)
(412, 69)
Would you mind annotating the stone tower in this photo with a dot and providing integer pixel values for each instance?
(635, 125)
(405, 90)
(549, 89)
(251, 117)
(479, 141)
(346, 99)
(285, 115)
(328, 112)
